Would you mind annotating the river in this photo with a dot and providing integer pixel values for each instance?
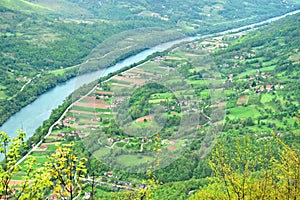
(32, 116)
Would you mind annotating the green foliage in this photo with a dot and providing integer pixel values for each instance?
(252, 166)
(66, 171)
(33, 183)
(10, 148)
(245, 173)
(38, 37)
(139, 101)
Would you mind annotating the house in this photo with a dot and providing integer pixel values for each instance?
(265, 75)
(60, 135)
(68, 118)
(231, 77)
(268, 87)
(262, 88)
(251, 78)
(43, 147)
(158, 59)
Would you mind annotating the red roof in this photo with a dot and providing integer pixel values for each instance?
(262, 88)
(43, 146)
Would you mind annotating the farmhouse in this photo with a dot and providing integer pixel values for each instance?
(158, 59)
(268, 88)
(44, 147)
(60, 135)
(231, 77)
(262, 88)
(172, 141)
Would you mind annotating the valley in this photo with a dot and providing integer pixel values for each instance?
(224, 94)
(149, 99)
(41, 41)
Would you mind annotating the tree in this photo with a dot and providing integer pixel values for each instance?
(10, 148)
(35, 182)
(246, 177)
(66, 171)
(150, 184)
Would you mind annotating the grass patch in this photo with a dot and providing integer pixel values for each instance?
(265, 98)
(268, 69)
(254, 99)
(58, 72)
(101, 152)
(107, 116)
(204, 94)
(120, 82)
(156, 101)
(161, 96)
(155, 70)
(83, 115)
(88, 109)
(206, 82)
(229, 92)
(148, 65)
(243, 112)
(24, 6)
(133, 160)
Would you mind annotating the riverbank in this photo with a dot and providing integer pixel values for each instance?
(104, 79)
(40, 110)
(43, 132)
(118, 52)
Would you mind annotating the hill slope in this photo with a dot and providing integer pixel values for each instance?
(39, 37)
(258, 72)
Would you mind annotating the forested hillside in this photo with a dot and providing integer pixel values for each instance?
(261, 71)
(40, 38)
(244, 88)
